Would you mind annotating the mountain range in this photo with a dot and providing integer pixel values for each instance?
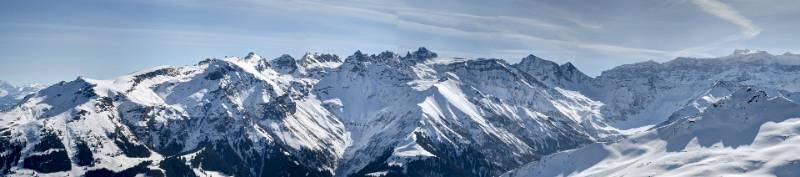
(412, 114)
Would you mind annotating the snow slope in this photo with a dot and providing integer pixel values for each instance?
(417, 115)
(744, 133)
(645, 94)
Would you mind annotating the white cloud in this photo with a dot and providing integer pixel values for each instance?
(470, 26)
(725, 12)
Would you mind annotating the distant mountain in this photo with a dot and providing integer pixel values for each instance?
(564, 75)
(10, 94)
(384, 114)
(646, 93)
(729, 116)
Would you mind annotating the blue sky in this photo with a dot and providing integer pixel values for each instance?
(49, 41)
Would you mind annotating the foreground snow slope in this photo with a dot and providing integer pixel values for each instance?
(745, 133)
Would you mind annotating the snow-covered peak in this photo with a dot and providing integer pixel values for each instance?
(389, 58)
(386, 63)
(568, 66)
(285, 63)
(740, 52)
(284, 59)
(5, 85)
(621, 69)
(565, 76)
(83, 87)
(11, 94)
(314, 64)
(538, 66)
(722, 88)
(8, 89)
(747, 55)
(190, 113)
(386, 57)
(534, 60)
(422, 54)
(572, 73)
(252, 56)
(313, 58)
(358, 56)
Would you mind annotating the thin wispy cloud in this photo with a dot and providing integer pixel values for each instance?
(725, 12)
(593, 36)
(498, 28)
(469, 26)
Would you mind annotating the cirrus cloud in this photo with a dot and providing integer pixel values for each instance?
(725, 12)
